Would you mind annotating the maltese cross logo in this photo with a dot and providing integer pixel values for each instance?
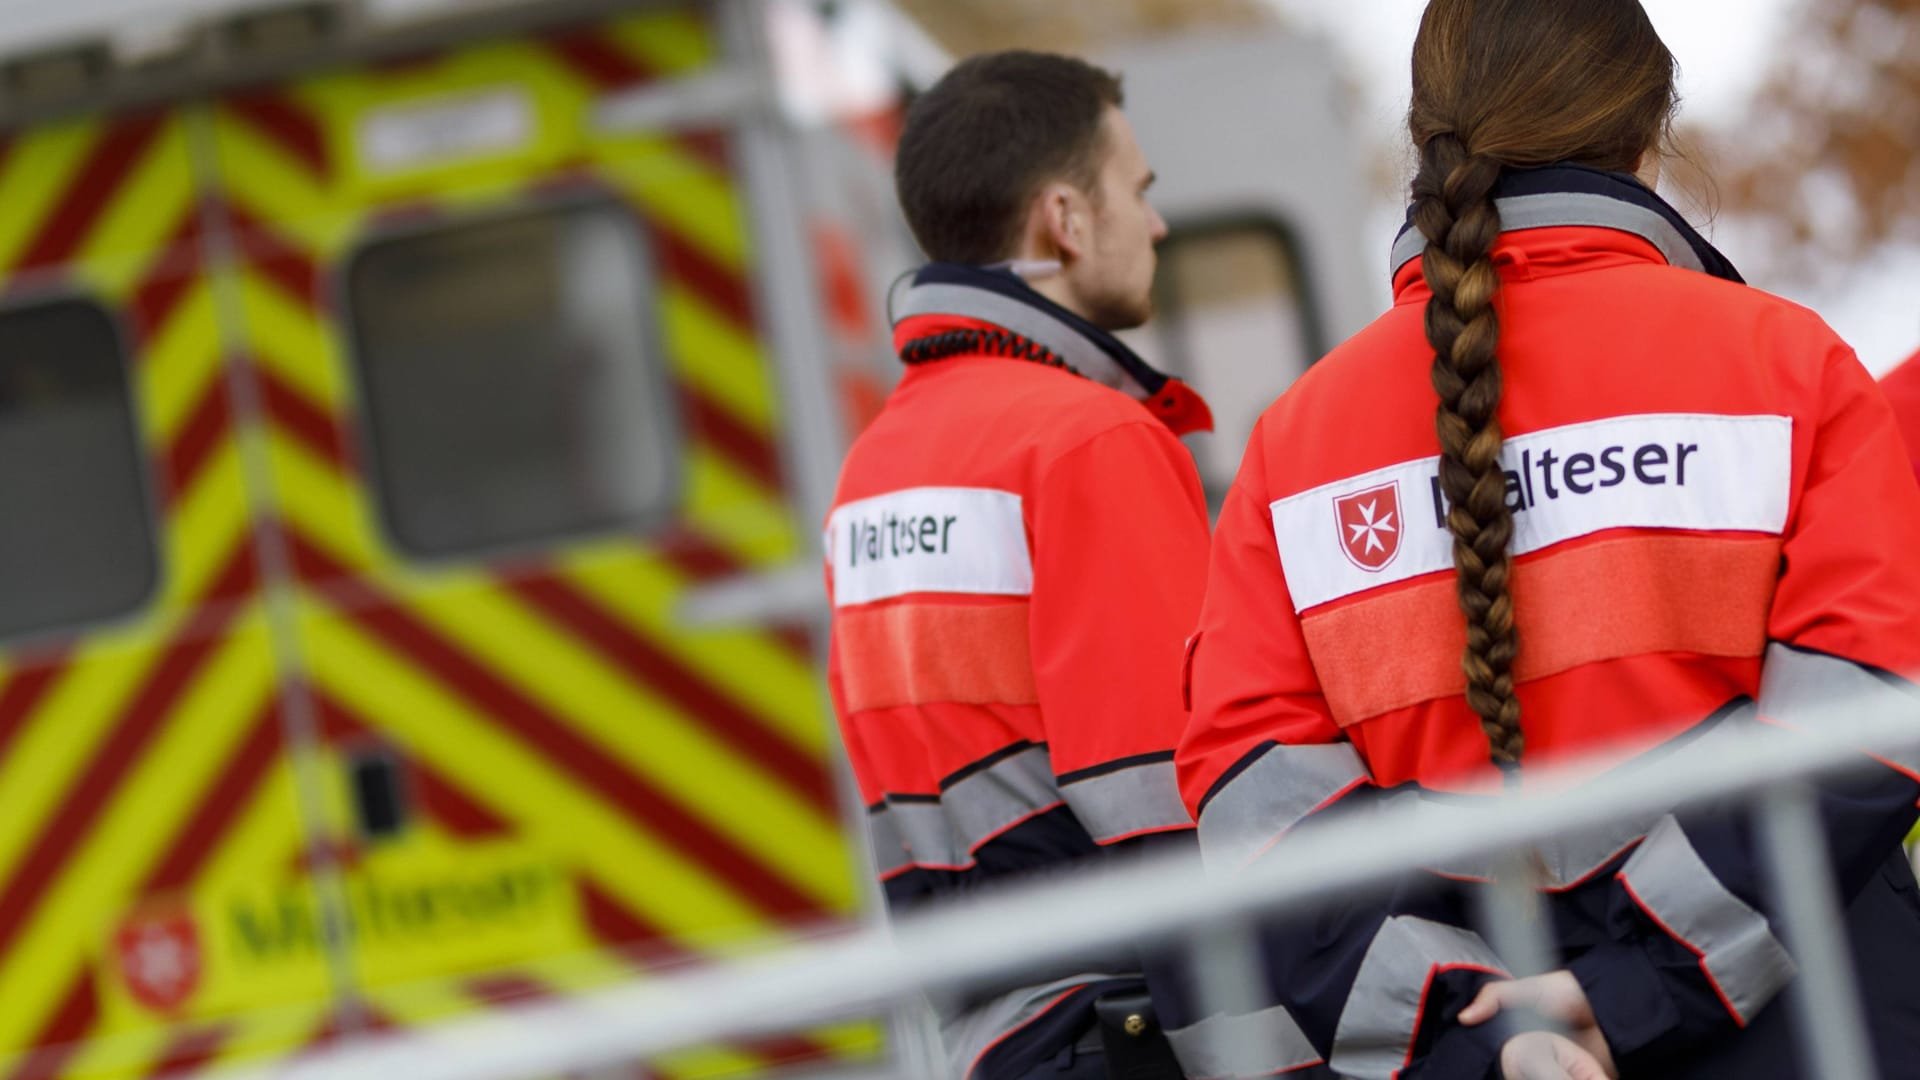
(1369, 523)
(160, 958)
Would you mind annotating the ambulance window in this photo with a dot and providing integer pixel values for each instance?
(1232, 317)
(513, 379)
(76, 528)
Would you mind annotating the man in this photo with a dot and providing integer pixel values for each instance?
(1018, 546)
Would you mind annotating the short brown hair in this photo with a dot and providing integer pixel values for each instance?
(986, 137)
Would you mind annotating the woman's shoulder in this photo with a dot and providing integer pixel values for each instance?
(1702, 301)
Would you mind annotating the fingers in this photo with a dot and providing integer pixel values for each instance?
(1489, 1001)
(1579, 1064)
(1555, 994)
(1531, 1057)
(1537, 1055)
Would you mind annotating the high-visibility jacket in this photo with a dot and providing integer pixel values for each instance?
(1714, 527)
(1902, 387)
(1016, 554)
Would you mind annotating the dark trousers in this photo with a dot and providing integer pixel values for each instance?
(1069, 1064)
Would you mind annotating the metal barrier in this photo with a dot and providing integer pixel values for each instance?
(865, 971)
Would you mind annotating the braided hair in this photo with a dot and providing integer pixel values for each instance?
(1501, 84)
(1454, 209)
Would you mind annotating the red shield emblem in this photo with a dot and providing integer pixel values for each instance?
(1369, 524)
(159, 953)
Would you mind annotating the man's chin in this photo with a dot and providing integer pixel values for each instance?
(1125, 315)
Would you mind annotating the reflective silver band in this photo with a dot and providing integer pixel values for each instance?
(1265, 1043)
(943, 834)
(967, 1036)
(1573, 859)
(1563, 860)
(1738, 952)
(890, 855)
(1024, 319)
(1801, 689)
(1573, 208)
(1382, 1014)
(1128, 802)
(1272, 795)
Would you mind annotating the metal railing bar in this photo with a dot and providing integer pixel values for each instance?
(1825, 998)
(969, 942)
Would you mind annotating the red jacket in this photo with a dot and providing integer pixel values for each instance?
(1902, 387)
(1712, 507)
(1015, 555)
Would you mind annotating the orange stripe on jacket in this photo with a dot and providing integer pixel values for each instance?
(1649, 593)
(920, 653)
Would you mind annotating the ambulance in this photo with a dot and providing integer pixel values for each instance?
(416, 418)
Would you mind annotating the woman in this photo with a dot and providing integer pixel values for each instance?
(1640, 507)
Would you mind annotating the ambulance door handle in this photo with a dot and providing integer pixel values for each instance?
(794, 593)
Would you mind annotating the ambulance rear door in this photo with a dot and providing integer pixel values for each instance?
(509, 310)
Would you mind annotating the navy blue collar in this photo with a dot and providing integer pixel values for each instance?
(1000, 297)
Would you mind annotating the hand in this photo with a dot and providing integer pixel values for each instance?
(1555, 995)
(1542, 1055)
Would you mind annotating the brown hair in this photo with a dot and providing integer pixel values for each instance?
(1508, 84)
(982, 141)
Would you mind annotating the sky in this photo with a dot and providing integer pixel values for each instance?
(1723, 47)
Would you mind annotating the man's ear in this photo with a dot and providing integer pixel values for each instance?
(1064, 218)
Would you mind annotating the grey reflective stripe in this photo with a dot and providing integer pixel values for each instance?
(1572, 859)
(1801, 688)
(1127, 802)
(1573, 208)
(1272, 795)
(1563, 860)
(1737, 949)
(967, 1035)
(1265, 1043)
(943, 834)
(890, 854)
(1023, 319)
(1382, 1014)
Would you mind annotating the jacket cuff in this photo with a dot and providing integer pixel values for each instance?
(1466, 1053)
(1629, 999)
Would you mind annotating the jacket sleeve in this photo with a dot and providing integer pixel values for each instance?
(1695, 950)
(1373, 992)
(1119, 540)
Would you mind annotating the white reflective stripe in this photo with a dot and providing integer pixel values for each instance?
(1382, 1014)
(1271, 795)
(1128, 801)
(1562, 208)
(1801, 689)
(1653, 471)
(930, 539)
(943, 833)
(1265, 1043)
(967, 1036)
(1743, 960)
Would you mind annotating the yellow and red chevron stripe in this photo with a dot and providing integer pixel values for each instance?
(133, 755)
